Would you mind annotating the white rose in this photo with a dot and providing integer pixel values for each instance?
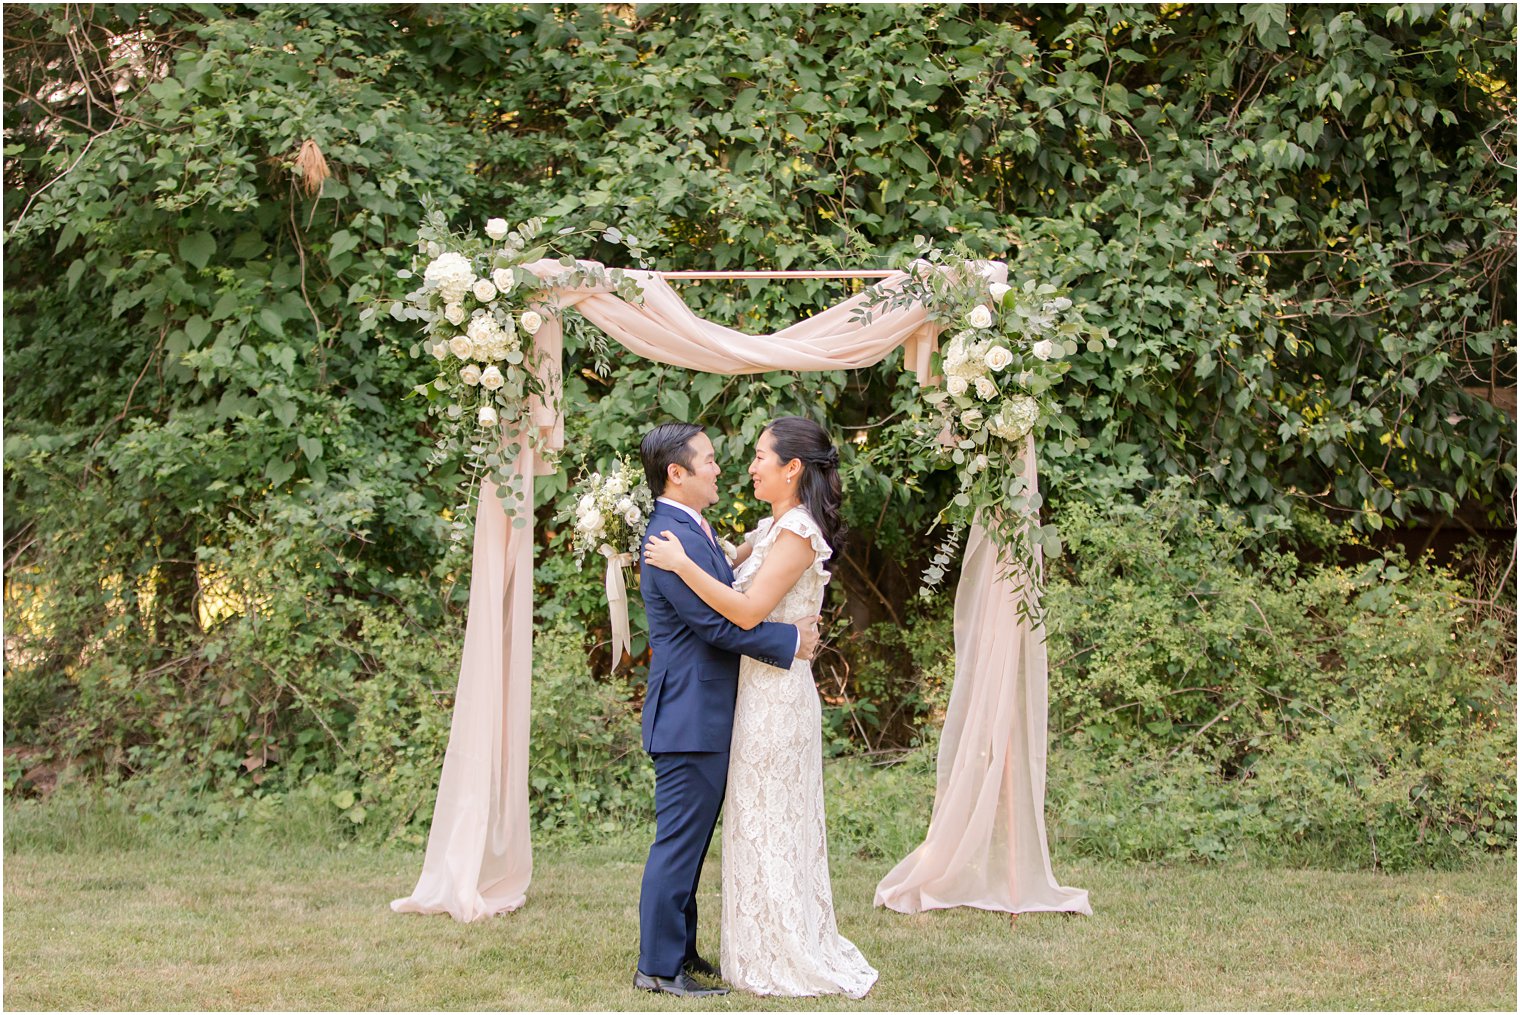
(591, 521)
(956, 386)
(502, 279)
(483, 290)
(999, 290)
(1043, 349)
(615, 485)
(631, 515)
(624, 504)
(531, 322)
(980, 317)
(998, 357)
(971, 419)
(470, 375)
(497, 229)
(454, 314)
(985, 389)
(486, 416)
(461, 346)
(439, 350)
(979, 463)
(491, 379)
(587, 503)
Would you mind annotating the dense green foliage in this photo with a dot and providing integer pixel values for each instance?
(225, 568)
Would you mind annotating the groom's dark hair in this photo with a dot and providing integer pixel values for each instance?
(666, 444)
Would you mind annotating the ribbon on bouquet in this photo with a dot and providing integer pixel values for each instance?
(617, 601)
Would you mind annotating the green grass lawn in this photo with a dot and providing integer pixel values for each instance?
(286, 925)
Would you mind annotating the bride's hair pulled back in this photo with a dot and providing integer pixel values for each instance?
(818, 486)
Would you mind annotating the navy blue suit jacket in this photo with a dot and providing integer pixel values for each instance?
(694, 664)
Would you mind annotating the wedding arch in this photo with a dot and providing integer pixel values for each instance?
(986, 844)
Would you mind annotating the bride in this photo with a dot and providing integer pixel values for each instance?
(778, 932)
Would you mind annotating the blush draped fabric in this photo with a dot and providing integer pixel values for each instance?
(479, 857)
(986, 841)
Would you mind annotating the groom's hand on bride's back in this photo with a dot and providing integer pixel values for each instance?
(807, 638)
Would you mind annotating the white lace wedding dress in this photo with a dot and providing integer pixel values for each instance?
(778, 932)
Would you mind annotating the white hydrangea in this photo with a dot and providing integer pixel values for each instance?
(482, 328)
(451, 275)
(491, 350)
(1015, 419)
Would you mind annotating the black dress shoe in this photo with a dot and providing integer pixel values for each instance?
(698, 966)
(681, 985)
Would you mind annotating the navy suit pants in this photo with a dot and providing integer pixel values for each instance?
(688, 793)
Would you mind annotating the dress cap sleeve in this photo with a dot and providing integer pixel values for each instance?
(799, 521)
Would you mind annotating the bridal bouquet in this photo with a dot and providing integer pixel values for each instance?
(479, 308)
(610, 515)
(609, 519)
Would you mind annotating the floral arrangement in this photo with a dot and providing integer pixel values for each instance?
(609, 519)
(1007, 349)
(610, 515)
(479, 308)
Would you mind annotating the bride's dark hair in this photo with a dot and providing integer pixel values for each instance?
(818, 486)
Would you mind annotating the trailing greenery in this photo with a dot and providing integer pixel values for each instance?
(226, 584)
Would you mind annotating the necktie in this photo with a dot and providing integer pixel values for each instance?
(707, 529)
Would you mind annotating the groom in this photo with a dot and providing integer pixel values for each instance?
(689, 706)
